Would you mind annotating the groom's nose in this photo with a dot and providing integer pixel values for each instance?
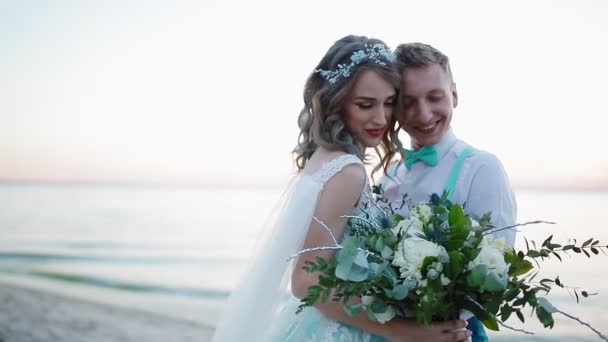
(423, 112)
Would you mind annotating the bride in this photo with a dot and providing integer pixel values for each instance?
(348, 103)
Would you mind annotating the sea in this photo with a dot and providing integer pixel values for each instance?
(179, 251)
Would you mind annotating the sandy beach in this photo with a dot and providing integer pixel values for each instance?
(32, 315)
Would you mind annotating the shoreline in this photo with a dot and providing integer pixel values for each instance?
(29, 314)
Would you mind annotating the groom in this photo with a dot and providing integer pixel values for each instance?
(438, 160)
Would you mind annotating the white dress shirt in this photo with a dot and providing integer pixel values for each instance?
(482, 184)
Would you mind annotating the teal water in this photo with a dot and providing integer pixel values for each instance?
(179, 251)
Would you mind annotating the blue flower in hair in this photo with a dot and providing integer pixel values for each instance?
(377, 53)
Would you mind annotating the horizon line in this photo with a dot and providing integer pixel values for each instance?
(136, 183)
(525, 186)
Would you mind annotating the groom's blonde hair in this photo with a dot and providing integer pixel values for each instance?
(420, 54)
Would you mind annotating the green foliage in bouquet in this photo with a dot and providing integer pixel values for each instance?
(436, 264)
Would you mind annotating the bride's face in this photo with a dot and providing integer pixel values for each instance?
(368, 110)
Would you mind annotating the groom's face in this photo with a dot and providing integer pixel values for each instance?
(429, 95)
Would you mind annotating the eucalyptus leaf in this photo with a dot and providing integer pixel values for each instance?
(358, 270)
(390, 273)
(348, 252)
(353, 310)
(544, 317)
(371, 315)
(477, 276)
(493, 282)
(400, 292)
(378, 306)
(375, 268)
(379, 245)
(352, 263)
(545, 304)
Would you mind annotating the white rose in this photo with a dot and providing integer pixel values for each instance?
(432, 274)
(425, 212)
(386, 315)
(410, 255)
(367, 300)
(493, 258)
(444, 280)
(414, 213)
(408, 226)
(498, 243)
(437, 266)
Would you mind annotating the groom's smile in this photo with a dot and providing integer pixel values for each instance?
(429, 96)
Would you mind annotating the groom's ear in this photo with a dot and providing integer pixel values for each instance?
(454, 96)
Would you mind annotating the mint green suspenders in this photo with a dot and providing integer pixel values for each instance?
(450, 184)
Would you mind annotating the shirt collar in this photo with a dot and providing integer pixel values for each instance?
(446, 142)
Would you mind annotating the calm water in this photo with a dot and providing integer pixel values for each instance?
(179, 252)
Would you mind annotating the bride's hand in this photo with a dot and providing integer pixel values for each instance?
(409, 331)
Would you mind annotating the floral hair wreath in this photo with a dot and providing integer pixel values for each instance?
(377, 53)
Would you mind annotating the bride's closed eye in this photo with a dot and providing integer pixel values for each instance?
(390, 102)
(365, 105)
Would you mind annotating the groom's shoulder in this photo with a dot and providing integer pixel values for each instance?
(484, 156)
(487, 161)
(478, 156)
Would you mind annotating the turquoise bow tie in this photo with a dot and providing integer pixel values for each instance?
(426, 154)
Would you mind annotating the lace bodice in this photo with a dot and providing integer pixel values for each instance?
(332, 167)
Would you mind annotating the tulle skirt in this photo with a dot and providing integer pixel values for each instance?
(312, 325)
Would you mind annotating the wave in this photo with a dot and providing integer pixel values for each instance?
(108, 283)
(54, 257)
(111, 245)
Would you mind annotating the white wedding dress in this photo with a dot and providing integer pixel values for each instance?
(262, 308)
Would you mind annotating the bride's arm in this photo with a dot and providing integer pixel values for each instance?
(338, 198)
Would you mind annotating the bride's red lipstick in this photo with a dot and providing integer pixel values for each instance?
(376, 133)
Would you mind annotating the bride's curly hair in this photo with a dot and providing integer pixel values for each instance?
(321, 120)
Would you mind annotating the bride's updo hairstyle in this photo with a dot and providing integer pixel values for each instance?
(326, 91)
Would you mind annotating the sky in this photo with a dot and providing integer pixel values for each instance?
(208, 92)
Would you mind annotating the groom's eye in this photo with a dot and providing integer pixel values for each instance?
(436, 96)
(407, 102)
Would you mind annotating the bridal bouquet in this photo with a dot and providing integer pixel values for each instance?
(437, 264)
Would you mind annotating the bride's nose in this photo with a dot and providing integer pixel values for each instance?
(381, 115)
